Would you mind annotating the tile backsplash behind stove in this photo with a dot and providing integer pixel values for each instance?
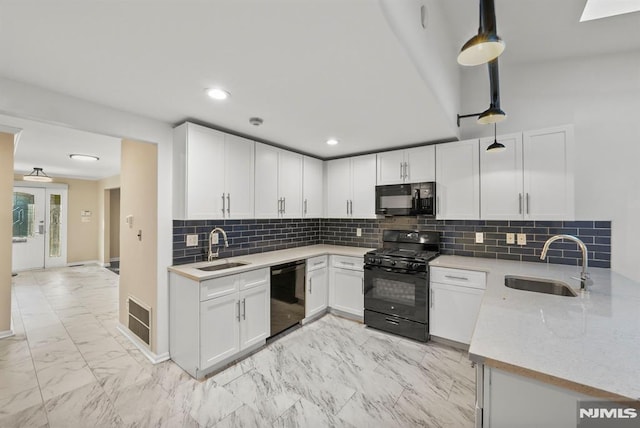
(457, 237)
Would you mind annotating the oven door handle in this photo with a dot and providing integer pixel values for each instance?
(391, 321)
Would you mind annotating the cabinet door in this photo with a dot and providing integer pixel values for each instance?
(346, 292)
(390, 167)
(219, 329)
(501, 179)
(316, 295)
(453, 311)
(458, 180)
(312, 185)
(363, 197)
(338, 188)
(548, 174)
(421, 164)
(255, 316)
(266, 182)
(205, 173)
(239, 180)
(290, 183)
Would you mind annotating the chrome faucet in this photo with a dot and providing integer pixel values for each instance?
(584, 275)
(213, 255)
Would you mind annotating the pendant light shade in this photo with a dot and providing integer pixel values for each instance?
(491, 115)
(37, 175)
(495, 146)
(486, 45)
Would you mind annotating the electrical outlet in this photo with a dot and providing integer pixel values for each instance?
(479, 237)
(192, 240)
(215, 238)
(358, 232)
(511, 238)
(522, 239)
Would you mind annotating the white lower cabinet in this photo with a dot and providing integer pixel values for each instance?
(454, 303)
(317, 292)
(214, 321)
(346, 292)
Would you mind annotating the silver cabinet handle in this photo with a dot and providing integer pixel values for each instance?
(351, 207)
(527, 203)
(401, 173)
(406, 170)
(310, 285)
(390, 321)
(520, 203)
(347, 206)
(280, 206)
(431, 300)
(305, 206)
(229, 203)
(284, 205)
(244, 309)
(238, 303)
(462, 278)
(223, 204)
(363, 286)
(437, 204)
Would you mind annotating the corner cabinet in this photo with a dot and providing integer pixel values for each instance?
(213, 174)
(413, 165)
(278, 183)
(217, 320)
(458, 181)
(346, 286)
(351, 187)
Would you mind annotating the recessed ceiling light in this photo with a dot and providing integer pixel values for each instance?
(332, 141)
(596, 9)
(218, 94)
(87, 158)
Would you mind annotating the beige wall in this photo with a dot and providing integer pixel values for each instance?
(6, 205)
(104, 213)
(114, 223)
(139, 198)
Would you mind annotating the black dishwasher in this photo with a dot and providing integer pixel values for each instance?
(287, 295)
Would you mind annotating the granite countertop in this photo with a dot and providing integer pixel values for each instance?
(590, 341)
(261, 260)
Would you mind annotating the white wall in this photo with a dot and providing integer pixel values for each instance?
(601, 97)
(35, 103)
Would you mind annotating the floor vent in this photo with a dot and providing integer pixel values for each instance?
(140, 320)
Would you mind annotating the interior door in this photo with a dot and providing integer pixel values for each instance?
(55, 248)
(28, 228)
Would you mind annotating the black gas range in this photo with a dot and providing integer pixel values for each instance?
(396, 283)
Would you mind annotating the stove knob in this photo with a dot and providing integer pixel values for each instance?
(379, 261)
(393, 263)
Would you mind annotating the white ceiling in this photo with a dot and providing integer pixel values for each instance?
(312, 70)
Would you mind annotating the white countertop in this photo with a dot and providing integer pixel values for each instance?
(591, 340)
(260, 260)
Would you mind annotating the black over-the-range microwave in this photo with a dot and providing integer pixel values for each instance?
(406, 199)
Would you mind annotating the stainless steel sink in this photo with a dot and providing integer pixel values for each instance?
(539, 285)
(220, 266)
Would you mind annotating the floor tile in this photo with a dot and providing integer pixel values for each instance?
(20, 401)
(304, 414)
(63, 377)
(32, 417)
(87, 406)
(16, 378)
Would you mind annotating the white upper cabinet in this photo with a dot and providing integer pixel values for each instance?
(413, 165)
(548, 174)
(213, 174)
(278, 183)
(532, 179)
(351, 186)
(312, 187)
(458, 180)
(501, 192)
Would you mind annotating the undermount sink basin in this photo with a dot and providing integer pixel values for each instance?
(539, 285)
(221, 266)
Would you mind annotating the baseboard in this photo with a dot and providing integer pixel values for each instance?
(346, 315)
(6, 333)
(84, 262)
(115, 259)
(151, 356)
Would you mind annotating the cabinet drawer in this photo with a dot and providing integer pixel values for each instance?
(316, 263)
(346, 262)
(460, 277)
(216, 287)
(254, 278)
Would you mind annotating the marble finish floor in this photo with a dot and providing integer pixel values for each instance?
(68, 366)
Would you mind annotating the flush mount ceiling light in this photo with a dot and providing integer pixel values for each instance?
(596, 9)
(218, 94)
(486, 45)
(495, 146)
(332, 141)
(85, 158)
(37, 175)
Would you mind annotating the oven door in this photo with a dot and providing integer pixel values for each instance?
(396, 292)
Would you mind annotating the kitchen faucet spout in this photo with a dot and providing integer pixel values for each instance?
(584, 275)
(211, 254)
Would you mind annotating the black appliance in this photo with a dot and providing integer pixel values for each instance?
(406, 199)
(396, 283)
(287, 295)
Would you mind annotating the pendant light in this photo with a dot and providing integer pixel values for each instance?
(494, 113)
(37, 175)
(486, 45)
(495, 146)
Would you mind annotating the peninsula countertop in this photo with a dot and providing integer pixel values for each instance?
(592, 340)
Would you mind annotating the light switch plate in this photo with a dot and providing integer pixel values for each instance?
(358, 232)
(479, 237)
(511, 238)
(522, 239)
(215, 238)
(192, 240)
